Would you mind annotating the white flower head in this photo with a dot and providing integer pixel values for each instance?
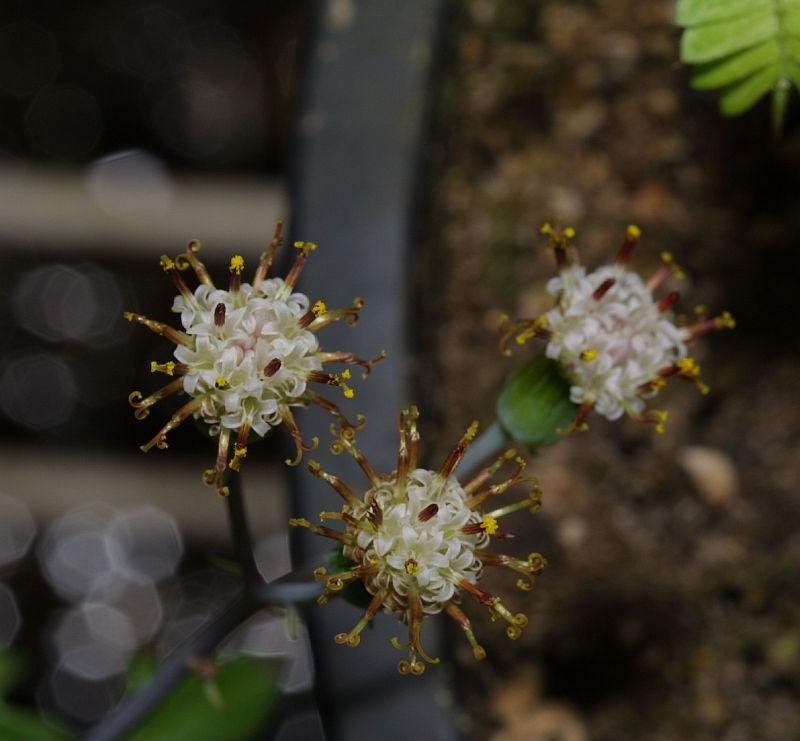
(418, 540)
(615, 340)
(246, 354)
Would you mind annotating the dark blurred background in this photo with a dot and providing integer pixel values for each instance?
(125, 129)
(670, 609)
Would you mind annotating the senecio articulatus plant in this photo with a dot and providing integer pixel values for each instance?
(417, 539)
(246, 354)
(615, 341)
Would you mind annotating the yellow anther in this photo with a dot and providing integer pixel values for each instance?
(412, 567)
(168, 367)
(167, 263)
(546, 229)
(667, 258)
(634, 232)
(348, 392)
(726, 320)
(569, 232)
(346, 373)
(237, 264)
(489, 525)
(305, 246)
(689, 367)
(657, 384)
(700, 309)
(319, 308)
(589, 355)
(239, 452)
(221, 383)
(660, 417)
(472, 430)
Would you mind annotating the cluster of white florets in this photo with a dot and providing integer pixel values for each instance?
(228, 364)
(431, 556)
(613, 346)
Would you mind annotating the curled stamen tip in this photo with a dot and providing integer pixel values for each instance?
(134, 398)
(524, 585)
(194, 245)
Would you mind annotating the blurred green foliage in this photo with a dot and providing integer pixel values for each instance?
(240, 699)
(746, 48)
(17, 722)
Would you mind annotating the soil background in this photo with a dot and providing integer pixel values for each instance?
(671, 605)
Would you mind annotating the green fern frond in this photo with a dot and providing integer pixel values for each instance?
(748, 48)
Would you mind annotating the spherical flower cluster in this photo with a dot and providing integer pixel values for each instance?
(246, 355)
(616, 342)
(418, 540)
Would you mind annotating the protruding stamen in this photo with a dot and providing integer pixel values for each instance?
(603, 288)
(346, 440)
(559, 242)
(457, 454)
(533, 503)
(656, 417)
(498, 489)
(350, 358)
(579, 424)
(483, 476)
(142, 406)
(428, 512)
(458, 615)
(185, 259)
(522, 330)
(160, 440)
(267, 257)
(723, 321)
(515, 622)
(236, 268)
(403, 453)
(213, 476)
(173, 335)
(415, 618)
(687, 368)
(240, 449)
(530, 568)
(350, 314)
(169, 267)
(632, 237)
(413, 437)
(297, 437)
(353, 638)
(326, 404)
(326, 532)
(669, 267)
(170, 368)
(341, 488)
(668, 301)
(304, 249)
(272, 367)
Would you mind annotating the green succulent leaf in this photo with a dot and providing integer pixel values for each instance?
(746, 48)
(534, 404)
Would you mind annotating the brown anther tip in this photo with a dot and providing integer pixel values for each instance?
(430, 511)
(219, 315)
(273, 367)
